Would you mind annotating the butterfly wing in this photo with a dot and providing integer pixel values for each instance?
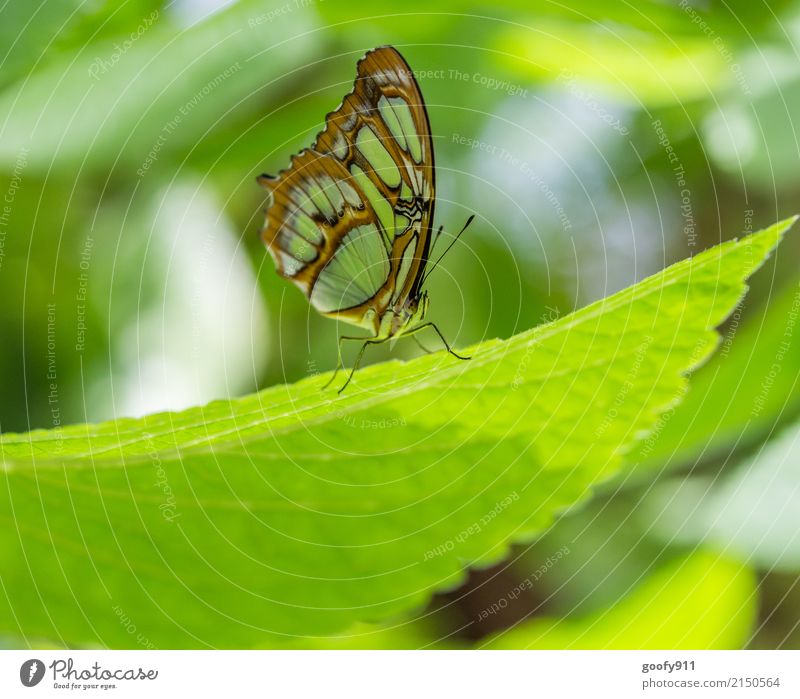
(327, 239)
(360, 202)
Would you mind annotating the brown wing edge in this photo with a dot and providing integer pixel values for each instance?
(308, 165)
(377, 61)
(362, 73)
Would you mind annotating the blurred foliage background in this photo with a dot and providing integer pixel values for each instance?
(595, 142)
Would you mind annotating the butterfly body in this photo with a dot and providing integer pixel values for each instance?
(349, 222)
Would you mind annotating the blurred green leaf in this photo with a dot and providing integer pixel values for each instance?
(34, 33)
(298, 512)
(608, 550)
(754, 136)
(751, 512)
(133, 106)
(650, 70)
(404, 635)
(702, 601)
(652, 54)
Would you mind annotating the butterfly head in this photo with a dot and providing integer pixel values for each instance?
(410, 314)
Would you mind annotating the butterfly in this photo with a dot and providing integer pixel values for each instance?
(350, 221)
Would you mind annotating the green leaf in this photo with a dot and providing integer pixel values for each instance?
(297, 512)
(404, 635)
(739, 397)
(699, 602)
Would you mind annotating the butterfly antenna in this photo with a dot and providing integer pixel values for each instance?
(436, 238)
(447, 249)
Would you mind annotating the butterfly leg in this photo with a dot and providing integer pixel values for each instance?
(421, 346)
(340, 363)
(441, 337)
(376, 341)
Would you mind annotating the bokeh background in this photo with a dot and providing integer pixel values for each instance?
(596, 143)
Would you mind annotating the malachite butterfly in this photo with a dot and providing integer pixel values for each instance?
(349, 222)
